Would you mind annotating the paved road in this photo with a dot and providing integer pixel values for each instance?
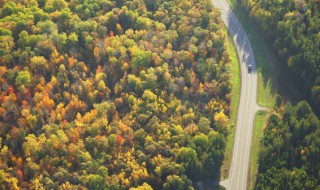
(238, 172)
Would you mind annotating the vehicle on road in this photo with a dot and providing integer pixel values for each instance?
(249, 68)
(239, 169)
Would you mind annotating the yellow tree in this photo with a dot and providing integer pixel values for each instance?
(144, 186)
(221, 121)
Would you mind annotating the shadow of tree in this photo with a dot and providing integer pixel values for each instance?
(280, 79)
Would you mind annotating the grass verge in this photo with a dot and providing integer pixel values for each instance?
(265, 97)
(259, 123)
(267, 62)
(273, 79)
(235, 72)
(265, 57)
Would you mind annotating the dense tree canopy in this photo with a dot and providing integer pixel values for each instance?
(294, 27)
(290, 154)
(111, 94)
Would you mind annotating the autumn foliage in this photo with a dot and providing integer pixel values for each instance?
(111, 94)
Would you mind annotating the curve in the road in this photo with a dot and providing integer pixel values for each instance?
(238, 172)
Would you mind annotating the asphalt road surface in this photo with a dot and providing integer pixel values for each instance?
(238, 173)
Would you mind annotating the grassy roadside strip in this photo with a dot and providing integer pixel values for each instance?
(235, 74)
(259, 124)
(272, 80)
(268, 78)
(265, 96)
(267, 63)
(265, 57)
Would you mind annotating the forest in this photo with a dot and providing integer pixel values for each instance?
(290, 153)
(101, 94)
(294, 28)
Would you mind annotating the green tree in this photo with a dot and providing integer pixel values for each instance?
(140, 58)
(23, 78)
(204, 125)
(94, 181)
(188, 158)
(175, 182)
(39, 64)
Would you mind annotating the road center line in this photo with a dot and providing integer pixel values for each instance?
(247, 104)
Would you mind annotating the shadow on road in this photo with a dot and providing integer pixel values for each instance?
(280, 79)
(273, 73)
(260, 56)
(236, 31)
